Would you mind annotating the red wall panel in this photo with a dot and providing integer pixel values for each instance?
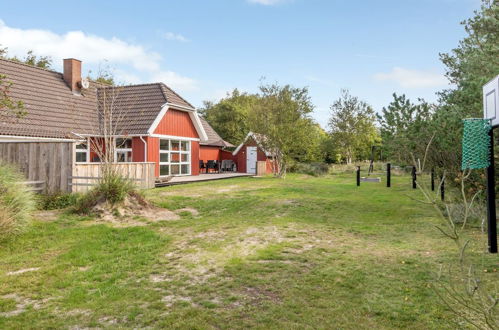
(153, 152)
(177, 123)
(138, 149)
(194, 158)
(207, 153)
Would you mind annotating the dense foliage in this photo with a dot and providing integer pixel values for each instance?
(408, 128)
(229, 117)
(405, 129)
(352, 128)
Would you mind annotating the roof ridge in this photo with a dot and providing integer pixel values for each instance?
(163, 85)
(29, 65)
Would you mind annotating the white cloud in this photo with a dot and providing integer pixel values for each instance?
(267, 2)
(173, 79)
(174, 37)
(92, 50)
(408, 78)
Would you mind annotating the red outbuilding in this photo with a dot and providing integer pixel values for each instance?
(250, 153)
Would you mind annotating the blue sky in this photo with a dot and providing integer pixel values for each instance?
(205, 48)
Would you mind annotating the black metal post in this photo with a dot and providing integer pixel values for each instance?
(442, 188)
(414, 178)
(358, 176)
(491, 199)
(433, 179)
(388, 175)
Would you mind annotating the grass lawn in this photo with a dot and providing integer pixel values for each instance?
(302, 252)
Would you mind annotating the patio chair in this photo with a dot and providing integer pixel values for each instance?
(202, 166)
(212, 165)
(227, 165)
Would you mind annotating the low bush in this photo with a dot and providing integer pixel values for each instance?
(113, 189)
(56, 201)
(314, 169)
(16, 202)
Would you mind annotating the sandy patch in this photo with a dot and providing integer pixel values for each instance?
(22, 271)
(22, 304)
(192, 260)
(172, 299)
(132, 212)
(210, 192)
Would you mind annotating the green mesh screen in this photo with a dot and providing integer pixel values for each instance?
(476, 143)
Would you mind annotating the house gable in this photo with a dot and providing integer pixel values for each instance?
(177, 123)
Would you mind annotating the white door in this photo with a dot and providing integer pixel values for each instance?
(251, 160)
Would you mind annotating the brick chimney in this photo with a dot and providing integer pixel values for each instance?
(72, 73)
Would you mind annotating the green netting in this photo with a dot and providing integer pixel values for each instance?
(476, 143)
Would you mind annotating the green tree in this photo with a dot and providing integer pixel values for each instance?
(405, 128)
(9, 108)
(282, 118)
(469, 66)
(229, 117)
(352, 127)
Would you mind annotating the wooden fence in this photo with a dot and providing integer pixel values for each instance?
(261, 168)
(50, 162)
(86, 175)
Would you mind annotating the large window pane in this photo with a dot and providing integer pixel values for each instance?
(175, 169)
(123, 156)
(175, 157)
(81, 146)
(185, 158)
(81, 157)
(164, 170)
(122, 143)
(185, 145)
(164, 145)
(175, 145)
(185, 169)
(163, 157)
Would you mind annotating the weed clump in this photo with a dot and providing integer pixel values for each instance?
(16, 202)
(112, 190)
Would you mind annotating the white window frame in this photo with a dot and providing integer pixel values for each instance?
(122, 150)
(80, 151)
(180, 152)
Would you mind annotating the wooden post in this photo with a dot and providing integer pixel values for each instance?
(414, 177)
(388, 175)
(491, 199)
(358, 176)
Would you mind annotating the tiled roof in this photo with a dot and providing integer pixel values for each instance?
(53, 110)
(213, 138)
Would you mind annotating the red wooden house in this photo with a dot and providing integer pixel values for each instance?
(155, 123)
(251, 151)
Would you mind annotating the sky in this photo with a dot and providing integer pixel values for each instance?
(205, 48)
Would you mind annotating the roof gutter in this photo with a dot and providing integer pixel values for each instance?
(145, 148)
(18, 138)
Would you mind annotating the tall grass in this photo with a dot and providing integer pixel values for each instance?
(16, 202)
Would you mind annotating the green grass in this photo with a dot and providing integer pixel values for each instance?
(302, 252)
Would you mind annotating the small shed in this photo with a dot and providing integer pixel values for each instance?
(250, 155)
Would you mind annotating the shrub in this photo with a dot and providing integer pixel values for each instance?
(16, 202)
(113, 189)
(56, 201)
(314, 169)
